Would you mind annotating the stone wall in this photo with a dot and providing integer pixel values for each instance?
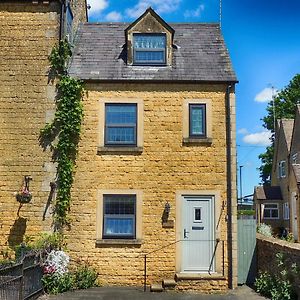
(164, 167)
(27, 35)
(267, 248)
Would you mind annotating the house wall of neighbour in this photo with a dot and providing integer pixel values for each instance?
(294, 195)
(28, 33)
(163, 168)
(295, 145)
(280, 155)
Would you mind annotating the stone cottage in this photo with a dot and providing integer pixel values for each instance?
(155, 183)
(156, 167)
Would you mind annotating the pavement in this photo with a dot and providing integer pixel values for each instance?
(132, 293)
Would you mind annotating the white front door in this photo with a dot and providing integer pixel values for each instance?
(197, 234)
(294, 215)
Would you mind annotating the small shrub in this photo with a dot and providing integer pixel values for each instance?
(55, 283)
(49, 241)
(278, 286)
(290, 238)
(264, 229)
(246, 212)
(264, 284)
(85, 277)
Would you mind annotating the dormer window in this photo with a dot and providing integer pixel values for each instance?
(149, 41)
(149, 49)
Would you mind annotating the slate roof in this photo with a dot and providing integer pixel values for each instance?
(288, 125)
(199, 54)
(296, 169)
(268, 193)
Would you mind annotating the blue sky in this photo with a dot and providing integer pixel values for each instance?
(263, 38)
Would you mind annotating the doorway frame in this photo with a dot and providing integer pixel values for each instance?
(216, 202)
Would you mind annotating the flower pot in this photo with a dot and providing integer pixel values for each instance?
(24, 198)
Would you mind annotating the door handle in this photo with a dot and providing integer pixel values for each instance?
(185, 232)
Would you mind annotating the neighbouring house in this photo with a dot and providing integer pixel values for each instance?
(278, 204)
(156, 168)
(28, 31)
(294, 178)
(268, 200)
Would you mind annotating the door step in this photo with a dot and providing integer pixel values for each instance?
(156, 287)
(169, 284)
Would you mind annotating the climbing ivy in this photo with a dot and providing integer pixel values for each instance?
(63, 133)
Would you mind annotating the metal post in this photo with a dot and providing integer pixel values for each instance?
(241, 188)
(21, 286)
(145, 273)
(223, 242)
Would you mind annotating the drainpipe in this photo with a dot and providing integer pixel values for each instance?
(229, 185)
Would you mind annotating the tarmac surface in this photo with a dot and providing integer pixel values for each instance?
(131, 293)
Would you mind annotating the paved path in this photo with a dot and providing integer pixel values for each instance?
(129, 293)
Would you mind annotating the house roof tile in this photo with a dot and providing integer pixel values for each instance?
(268, 193)
(199, 54)
(296, 169)
(287, 125)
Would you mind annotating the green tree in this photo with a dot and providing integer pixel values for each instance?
(285, 107)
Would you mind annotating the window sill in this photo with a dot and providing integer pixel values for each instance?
(120, 149)
(199, 141)
(137, 242)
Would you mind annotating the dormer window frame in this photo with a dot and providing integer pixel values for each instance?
(149, 62)
(149, 23)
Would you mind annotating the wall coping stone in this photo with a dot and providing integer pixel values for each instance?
(278, 242)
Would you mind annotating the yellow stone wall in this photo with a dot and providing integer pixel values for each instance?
(164, 167)
(27, 35)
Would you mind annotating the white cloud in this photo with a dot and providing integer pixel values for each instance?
(242, 131)
(97, 6)
(265, 95)
(113, 16)
(160, 6)
(259, 138)
(194, 13)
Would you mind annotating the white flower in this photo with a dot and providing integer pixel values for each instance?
(58, 260)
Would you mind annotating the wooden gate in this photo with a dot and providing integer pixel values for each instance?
(22, 281)
(246, 251)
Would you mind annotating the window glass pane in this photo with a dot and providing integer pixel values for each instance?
(149, 41)
(274, 213)
(119, 216)
(149, 56)
(267, 213)
(120, 135)
(120, 123)
(120, 114)
(69, 22)
(149, 48)
(197, 119)
(270, 205)
(117, 226)
(197, 214)
(119, 204)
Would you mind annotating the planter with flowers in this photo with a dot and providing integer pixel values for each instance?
(24, 195)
